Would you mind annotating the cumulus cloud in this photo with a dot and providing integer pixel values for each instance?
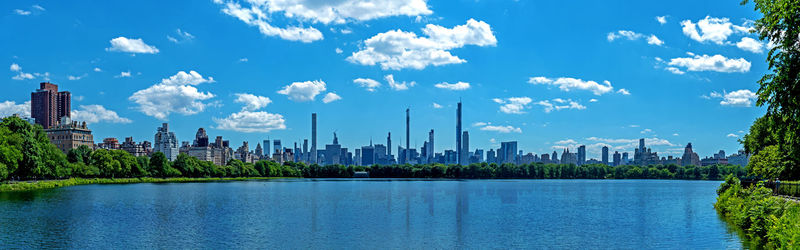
(176, 94)
(437, 106)
(514, 105)
(257, 17)
(252, 102)
(331, 97)
(569, 84)
(674, 70)
(559, 104)
(453, 86)
(738, 98)
(732, 135)
(633, 36)
(624, 92)
(129, 45)
(303, 91)
(96, 69)
(97, 114)
(398, 86)
(750, 44)
(711, 29)
(368, 84)
(251, 122)
(9, 108)
(20, 75)
(661, 19)
(338, 12)
(716, 63)
(567, 141)
(398, 49)
(75, 78)
(338, 51)
(22, 12)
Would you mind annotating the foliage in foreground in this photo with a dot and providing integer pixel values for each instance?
(771, 221)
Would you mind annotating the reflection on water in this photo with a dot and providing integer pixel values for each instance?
(371, 214)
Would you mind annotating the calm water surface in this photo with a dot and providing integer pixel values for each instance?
(374, 214)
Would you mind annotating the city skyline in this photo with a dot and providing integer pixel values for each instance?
(568, 104)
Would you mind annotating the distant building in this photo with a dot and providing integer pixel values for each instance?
(605, 155)
(68, 134)
(741, 158)
(582, 155)
(166, 142)
(507, 152)
(110, 143)
(617, 159)
(136, 149)
(689, 157)
(48, 105)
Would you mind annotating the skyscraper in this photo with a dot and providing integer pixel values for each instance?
(617, 159)
(431, 151)
(605, 155)
(276, 144)
(306, 156)
(464, 155)
(581, 155)
(48, 105)
(313, 158)
(267, 151)
(458, 132)
(389, 146)
(166, 142)
(408, 141)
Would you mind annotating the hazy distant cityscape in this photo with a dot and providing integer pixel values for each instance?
(51, 108)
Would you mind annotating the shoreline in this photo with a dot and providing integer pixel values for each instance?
(22, 186)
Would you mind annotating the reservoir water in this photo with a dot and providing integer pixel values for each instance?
(370, 214)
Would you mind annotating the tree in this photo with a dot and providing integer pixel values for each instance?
(159, 165)
(780, 89)
(767, 163)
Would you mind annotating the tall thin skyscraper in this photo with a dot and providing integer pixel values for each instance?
(389, 144)
(408, 141)
(306, 155)
(581, 155)
(458, 132)
(431, 151)
(313, 158)
(605, 155)
(267, 151)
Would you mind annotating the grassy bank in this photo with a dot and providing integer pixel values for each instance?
(36, 185)
(769, 221)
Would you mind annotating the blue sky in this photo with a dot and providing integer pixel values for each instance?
(549, 74)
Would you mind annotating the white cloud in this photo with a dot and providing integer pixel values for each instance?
(244, 59)
(559, 104)
(592, 100)
(22, 12)
(674, 70)
(20, 75)
(624, 92)
(303, 91)
(732, 135)
(251, 122)
(750, 44)
(661, 19)
(331, 97)
(255, 16)
(501, 129)
(124, 44)
(183, 78)
(369, 84)
(182, 36)
(97, 69)
(568, 84)
(567, 141)
(75, 78)
(633, 36)
(716, 63)
(437, 106)
(252, 102)
(9, 108)
(123, 74)
(398, 86)
(338, 51)
(675, 134)
(739, 98)
(172, 95)
(646, 131)
(338, 12)
(480, 124)
(397, 49)
(96, 114)
(453, 86)
(514, 105)
(38, 7)
(653, 40)
(716, 30)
